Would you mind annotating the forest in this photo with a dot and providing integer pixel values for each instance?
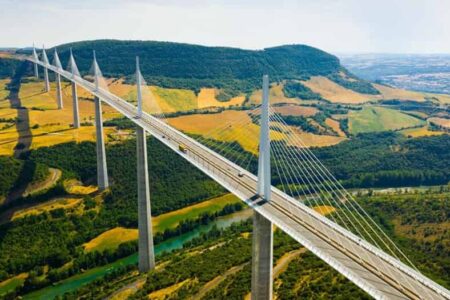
(216, 252)
(232, 70)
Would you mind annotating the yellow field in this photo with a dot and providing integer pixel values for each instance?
(394, 93)
(421, 131)
(324, 209)
(339, 94)
(207, 98)
(296, 110)
(314, 140)
(127, 292)
(164, 293)
(65, 203)
(240, 127)
(335, 126)
(440, 122)
(334, 92)
(3, 91)
(276, 95)
(75, 187)
(52, 126)
(111, 239)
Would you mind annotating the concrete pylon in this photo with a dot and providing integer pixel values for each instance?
(262, 247)
(76, 114)
(36, 58)
(74, 70)
(146, 250)
(139, 88)
(45, 61)
(102, 171)
(59, 96)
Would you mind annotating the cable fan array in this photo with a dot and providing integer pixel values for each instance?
(295, 169)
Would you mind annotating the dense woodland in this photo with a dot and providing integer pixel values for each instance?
(8, 67)
(216, 252)
(15, 173)
(232, 70)
(57, 235)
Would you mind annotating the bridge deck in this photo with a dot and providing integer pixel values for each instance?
(379, 274)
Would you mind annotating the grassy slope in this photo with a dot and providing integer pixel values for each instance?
(111, 239)
(372, 118)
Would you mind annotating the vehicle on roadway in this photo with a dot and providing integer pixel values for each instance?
(182, 148)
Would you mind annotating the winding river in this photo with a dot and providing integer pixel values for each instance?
(74, 282)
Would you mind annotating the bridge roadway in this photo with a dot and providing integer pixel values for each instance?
(377, 273)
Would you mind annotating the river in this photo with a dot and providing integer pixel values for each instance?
(74, 282)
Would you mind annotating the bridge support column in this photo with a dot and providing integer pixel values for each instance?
(102, 171)
(76, 116)
(47, 82)
(35, 56)
(146, 250)
(262, 248)
(59, 95)
(36, 71)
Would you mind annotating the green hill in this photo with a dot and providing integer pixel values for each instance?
(235, 70)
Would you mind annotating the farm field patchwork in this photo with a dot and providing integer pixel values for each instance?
(42, 124)
(226, 126)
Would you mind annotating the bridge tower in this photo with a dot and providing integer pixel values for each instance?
(262, 248)
(139, 91)
(45, 61)
(57, 64)
(76, 114)
(146, 250)
(36, 58)
(102, 171)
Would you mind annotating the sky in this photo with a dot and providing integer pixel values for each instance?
(336, 26)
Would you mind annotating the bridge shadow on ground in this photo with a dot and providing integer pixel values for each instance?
(25, 137)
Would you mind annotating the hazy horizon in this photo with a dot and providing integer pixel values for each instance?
(340, 27)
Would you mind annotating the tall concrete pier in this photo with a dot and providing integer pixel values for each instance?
(35, 57)
(146, 250)
(45, 61)
(74, 70)
(102, 171)
(59, 95)
(262, 248)
(76, 114)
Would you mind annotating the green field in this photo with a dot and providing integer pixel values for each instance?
(10, 284)
(373, 118)
(111, 239)
(178, 99)
(172, 219)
